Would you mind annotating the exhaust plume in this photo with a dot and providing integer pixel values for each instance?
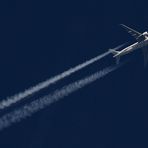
(18, 97)
(27, 110)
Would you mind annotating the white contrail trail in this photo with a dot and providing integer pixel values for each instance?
(29, 109)
(14, 99)
(18, 97)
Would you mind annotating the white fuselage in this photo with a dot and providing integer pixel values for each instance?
(132, 47)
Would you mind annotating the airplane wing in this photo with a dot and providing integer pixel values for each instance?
(145, 54)
(137, 35)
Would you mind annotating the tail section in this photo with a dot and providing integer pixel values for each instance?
(115, 53)
(114, 50)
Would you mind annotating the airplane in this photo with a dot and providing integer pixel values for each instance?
(142, 42)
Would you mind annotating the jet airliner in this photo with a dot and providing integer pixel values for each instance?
(142, 43)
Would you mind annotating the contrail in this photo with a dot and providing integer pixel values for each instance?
(14, 99)
(29, 109)
(18, 97)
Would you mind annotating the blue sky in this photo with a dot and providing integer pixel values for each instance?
(41, 39)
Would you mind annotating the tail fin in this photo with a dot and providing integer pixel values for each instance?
(114, 52)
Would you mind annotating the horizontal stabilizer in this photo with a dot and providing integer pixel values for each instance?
(114, 52)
